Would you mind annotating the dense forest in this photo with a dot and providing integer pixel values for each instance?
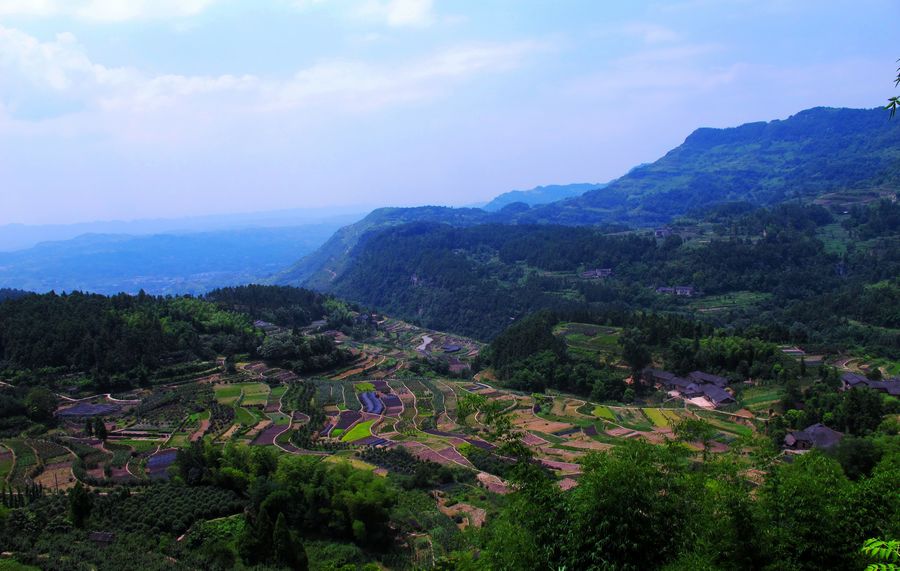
(474, 280)
(82, 341)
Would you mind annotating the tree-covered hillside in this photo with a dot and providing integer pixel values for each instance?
(319, 268)
(476, 280)
(814, 152)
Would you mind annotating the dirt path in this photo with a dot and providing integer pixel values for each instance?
(12, 469)
(198, 434)
(289, 424)
(426, 341)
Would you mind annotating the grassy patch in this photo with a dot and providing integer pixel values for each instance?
(758, 399)
(361, 430)
(601, 411)
(364, 387)
(657, 417)
(732, 300)
(141, 445)
(244, 416)
(227, 394)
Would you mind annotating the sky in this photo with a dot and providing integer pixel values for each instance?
(131, 109)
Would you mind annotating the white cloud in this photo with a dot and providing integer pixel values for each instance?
(105, 10)
(399, 13)
(650, 33)
(57, 77)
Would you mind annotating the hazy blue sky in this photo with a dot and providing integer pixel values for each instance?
(123, 109)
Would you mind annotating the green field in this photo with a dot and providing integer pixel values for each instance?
(589, 341)
(254, 393)
(603, 412)
(140, 445)
(733, 300)
(363, 387)
(244, 416)
(361, 430)
(761, 399)
(227, 394)
(657, 417)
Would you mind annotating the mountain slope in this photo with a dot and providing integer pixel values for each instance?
(319, 268)
(541, 195)
(812, 153)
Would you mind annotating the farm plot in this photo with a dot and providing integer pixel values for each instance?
(761, 399)
(605, 413)
(657, 417)
(371, 403)
(57, 476)
(26, 461)
(84, 409)
(50, 452)
(227, 394)
(267, 436)
(158, 464)
(358, 432)
(6, 462)
(634, 418)
(526, 420)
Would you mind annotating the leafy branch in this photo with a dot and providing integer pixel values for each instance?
(893, 102)
(885, 553)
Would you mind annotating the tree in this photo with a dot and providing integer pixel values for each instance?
(40, 404)
(696, 430)
(89, 427)
(80, 504)
(100, 429)
(285, 548)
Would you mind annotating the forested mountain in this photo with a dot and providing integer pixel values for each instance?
(810, 154)
(836, 157)
(320, 267)
(159, 264)
(475, 280)
(541, 195)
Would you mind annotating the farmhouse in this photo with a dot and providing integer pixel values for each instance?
(854, 380)
(697, 384)
(597, 273)
(682, 290)
(816, 436)
(662, 232)
(717, 395)
(701, 377)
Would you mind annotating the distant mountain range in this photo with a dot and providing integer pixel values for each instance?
(541, 195)
(20, 236)
(832, 156)
(823, 154)
(159, 264)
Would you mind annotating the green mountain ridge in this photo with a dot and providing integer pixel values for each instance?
(811, 153)
(806, 156)
(319, 268)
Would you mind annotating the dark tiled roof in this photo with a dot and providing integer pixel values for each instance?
(702, 377)
(658, 374)
(818, 435)
(716, 394)
(854, 379)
